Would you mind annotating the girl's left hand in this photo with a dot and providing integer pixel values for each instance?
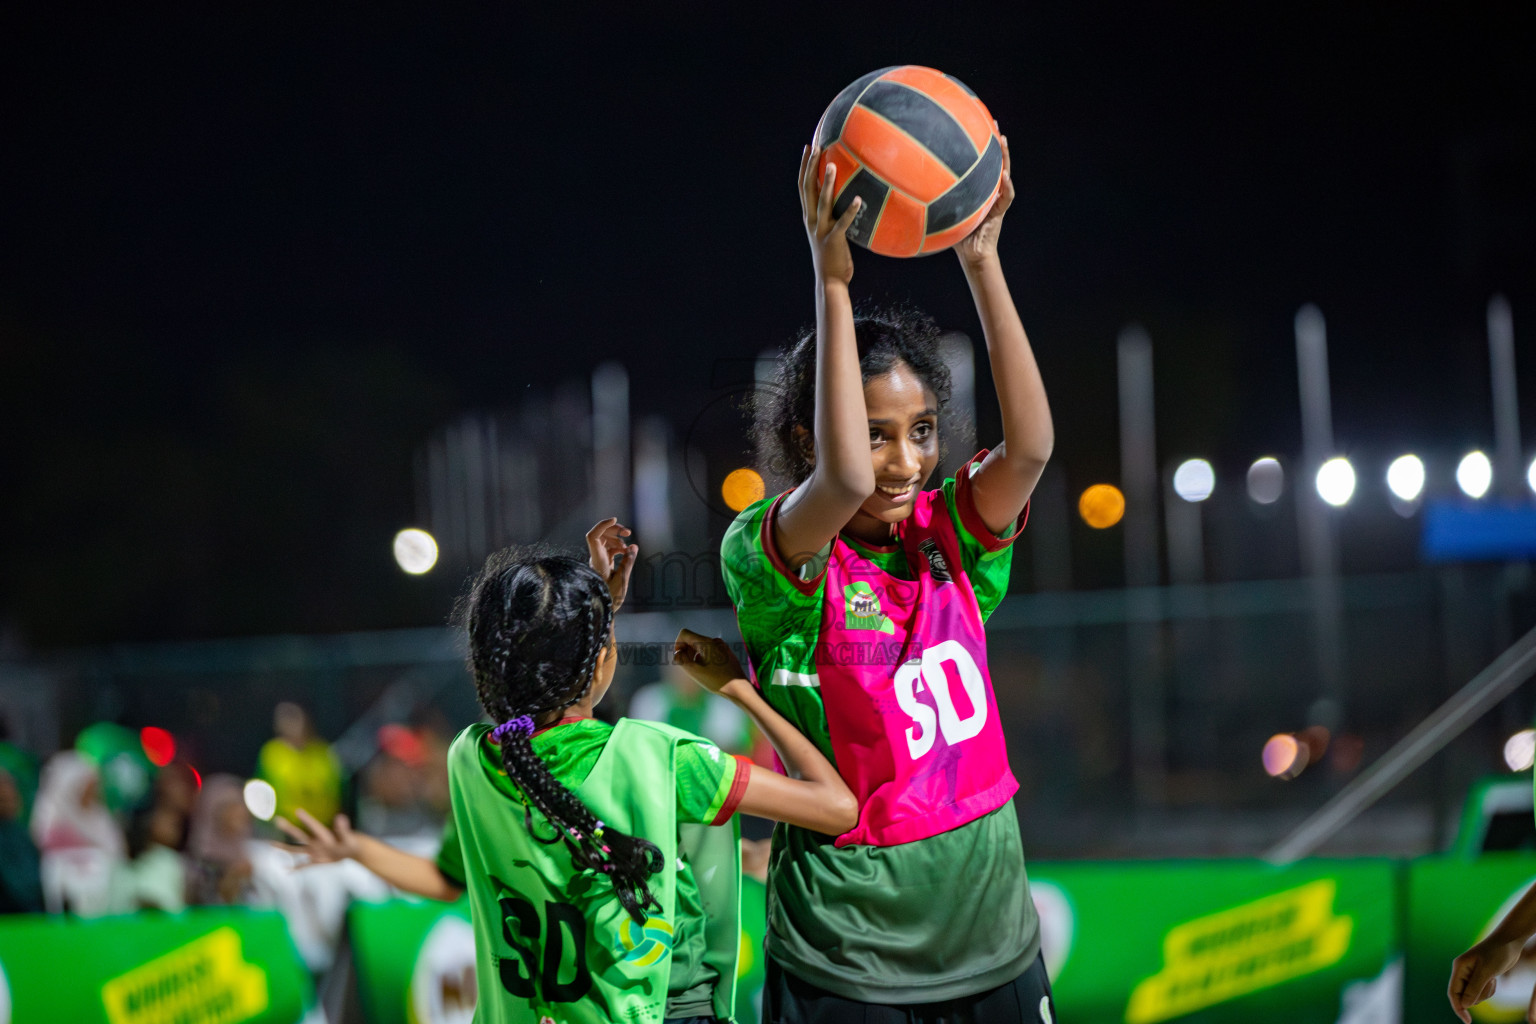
(981, 244)
(709, 660)
(613, 559)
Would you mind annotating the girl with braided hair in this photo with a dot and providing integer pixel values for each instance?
(598, 890)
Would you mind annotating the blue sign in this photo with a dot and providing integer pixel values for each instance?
(1457, 531)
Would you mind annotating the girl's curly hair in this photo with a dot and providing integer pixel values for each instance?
(885, 337)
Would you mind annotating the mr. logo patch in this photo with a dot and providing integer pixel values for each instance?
(862, 606)
(938, 568)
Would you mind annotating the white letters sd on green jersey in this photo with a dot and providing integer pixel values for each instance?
(552, 944)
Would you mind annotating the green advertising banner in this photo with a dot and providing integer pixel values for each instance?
(199, 967)
(1216, 941)
(415, 960)
(1453, 902)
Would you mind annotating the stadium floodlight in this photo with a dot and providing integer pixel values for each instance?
(1101, 506)
(1474, 474)
(415, 551)
(1336, 481)
(1283, 756)
(1194, 480)
(1520, 750)
(1405, 477)
(1266, 481)
(260, 799)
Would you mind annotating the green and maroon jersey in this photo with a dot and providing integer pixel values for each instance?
(939, 917)
(602, 963)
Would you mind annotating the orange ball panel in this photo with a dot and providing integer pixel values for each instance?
(900, 230)
(846, 163)
(895, 157)
(965, 108)
(949, 236)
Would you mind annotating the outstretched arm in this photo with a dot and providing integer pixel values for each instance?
(813, 796)
(405, 871)
(1004, 481)
(843, 475)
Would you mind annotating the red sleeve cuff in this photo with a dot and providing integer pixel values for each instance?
(965, 503)
(738, 790)
(771, 549)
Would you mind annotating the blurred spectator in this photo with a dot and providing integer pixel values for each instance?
(123, 771)
(157, 877)
(21, 887)
(219, 868)
(226, 865)
(680, 702)
(22, 767)
(395, 799)
(436, 733)
(77, 837)
(300, 765)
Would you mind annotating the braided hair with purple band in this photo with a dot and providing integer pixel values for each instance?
(537, 625)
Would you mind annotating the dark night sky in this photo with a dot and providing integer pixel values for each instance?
(250, 259)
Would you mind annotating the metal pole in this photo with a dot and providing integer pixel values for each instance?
(960, 356)
(1487, 689)
(653, 484)
(1319, 551)
(610, 442)
(1138, 479)
(1138, 457)
(1050, 531)
(1186, 535)
(1506, 405)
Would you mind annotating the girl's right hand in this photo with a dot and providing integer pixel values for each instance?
(318, 843)
(708, 660)
(829, 238)
(1475, 974)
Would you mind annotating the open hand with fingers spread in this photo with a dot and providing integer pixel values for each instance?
(828, 236)
(320, 844)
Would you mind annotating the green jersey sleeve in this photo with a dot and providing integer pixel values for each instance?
(450, 856)
(710, 783)
(986, 557)
(774, 604)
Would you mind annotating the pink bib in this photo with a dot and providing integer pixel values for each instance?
(903, 671)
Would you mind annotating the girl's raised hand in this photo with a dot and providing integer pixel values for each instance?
(981, 244)
(320, 844)
(829, 238)
(709, 660)
(611, 557)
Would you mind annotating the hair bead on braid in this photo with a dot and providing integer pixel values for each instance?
(537, 625)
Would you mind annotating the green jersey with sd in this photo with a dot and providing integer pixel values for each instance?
(939, 918)
(553, 943)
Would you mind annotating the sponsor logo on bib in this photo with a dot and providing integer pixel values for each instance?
(938, 568)
(862, 606)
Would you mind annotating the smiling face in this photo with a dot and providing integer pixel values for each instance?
(904, 447)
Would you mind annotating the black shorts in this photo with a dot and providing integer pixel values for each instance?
(1024, 1000)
